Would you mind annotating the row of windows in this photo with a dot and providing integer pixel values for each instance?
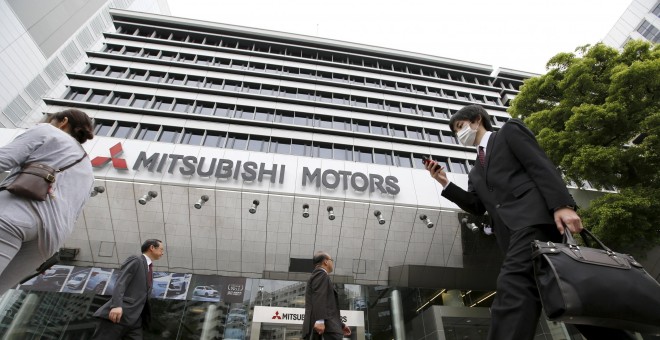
(261, 114)
(314, 54)
(268, 90)
(286, 146)
(300, 72)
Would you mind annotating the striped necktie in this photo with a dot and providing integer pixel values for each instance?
(482, 156)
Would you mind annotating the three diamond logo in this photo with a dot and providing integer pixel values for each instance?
(117, 163)
(277, 315)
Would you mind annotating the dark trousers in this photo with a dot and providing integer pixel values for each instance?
(107, 330)
(516, 309)
(326, 336)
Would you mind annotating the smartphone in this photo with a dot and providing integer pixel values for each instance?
(426, 160)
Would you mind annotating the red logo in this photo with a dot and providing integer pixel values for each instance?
(117, 163)
(277, 315)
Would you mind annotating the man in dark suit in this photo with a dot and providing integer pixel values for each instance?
(523, 192)
(322, 319)
(128, 310)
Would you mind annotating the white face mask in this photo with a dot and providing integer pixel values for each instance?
(467, 135)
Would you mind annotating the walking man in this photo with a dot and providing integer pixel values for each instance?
(524, 194)
(322, 319)
(127, 312)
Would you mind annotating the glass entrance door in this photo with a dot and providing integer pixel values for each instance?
(280, 332)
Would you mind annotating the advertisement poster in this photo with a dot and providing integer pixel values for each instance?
(178, 287)
(52, 280)
(77, 280)
(98, 280)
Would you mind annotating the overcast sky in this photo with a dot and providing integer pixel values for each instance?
(517, 34)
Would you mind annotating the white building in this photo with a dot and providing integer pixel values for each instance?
(641, 20)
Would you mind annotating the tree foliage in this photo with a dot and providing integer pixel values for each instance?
(596, 112)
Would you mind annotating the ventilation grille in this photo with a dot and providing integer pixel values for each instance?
(71, 53)
(37, 88)
(85, 39)
(17, 110)
(55, 70)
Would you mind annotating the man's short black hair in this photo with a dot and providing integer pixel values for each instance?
(319, 257)
(471, 112)
(150, 242)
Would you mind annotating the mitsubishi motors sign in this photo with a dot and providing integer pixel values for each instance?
(237, 169)
(296, 316)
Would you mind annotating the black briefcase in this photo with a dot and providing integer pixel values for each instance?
(591, 286)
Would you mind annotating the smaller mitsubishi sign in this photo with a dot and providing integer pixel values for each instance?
(296, 316)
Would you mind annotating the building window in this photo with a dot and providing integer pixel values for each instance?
(398, 130)
(102, 127)
(324, 122)
(237, 141)
(147, 132)
(301, 148)
(97, 70)
(231, 85)
(137, 74)
(119, 98)
(140, 101)
(169, 135)
(379, 128)
(182, 105)
(124, 130)
(458, 166)
(648, 31)
(303, 119)
(264, 115)
(448, 137)
(258, 143)
(433, 135)
(77, 94)
(280, 145)
(223, 110)
(361, 126)
(193, 81)
(204, 108)
(656, 10)
(322, 150)
(155, 77)
(415, 133)
(175, 79)
(339, 123)
(285, 117)
(363, 155)
(163, 103)
(214, 139)
(98, 96)
(343, 152)
(403, 159)
(192, 137)
(383, 157)
(244, 112)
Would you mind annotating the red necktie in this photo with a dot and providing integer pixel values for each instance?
(150, 275)
(482, 156)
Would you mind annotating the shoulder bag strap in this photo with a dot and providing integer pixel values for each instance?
(72, 164)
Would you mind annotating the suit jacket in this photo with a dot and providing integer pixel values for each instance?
(131, 293)
(518, 186)
(321, 303)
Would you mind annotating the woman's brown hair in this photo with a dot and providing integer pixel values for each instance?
(81, 126)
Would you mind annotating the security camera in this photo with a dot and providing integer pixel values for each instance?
(305, 210)
(146, 198)
(201, 201)
(253, 208)
(473, 227)
(426, 219)
(379, 215)
(331, 213)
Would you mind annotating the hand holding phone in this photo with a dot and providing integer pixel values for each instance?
(427, 160)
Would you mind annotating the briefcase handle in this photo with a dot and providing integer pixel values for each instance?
(585, 234)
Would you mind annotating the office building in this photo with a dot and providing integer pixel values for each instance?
(641, 20)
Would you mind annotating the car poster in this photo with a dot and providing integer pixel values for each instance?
(205, 288)
(51, 280)
(77, 280)
(166, 285)
(98, 280)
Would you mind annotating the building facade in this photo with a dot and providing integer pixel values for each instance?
(641, 20)
(245, 150)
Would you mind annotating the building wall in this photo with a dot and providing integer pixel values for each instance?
(626, 28)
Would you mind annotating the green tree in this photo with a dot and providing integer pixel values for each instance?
(596, 112)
